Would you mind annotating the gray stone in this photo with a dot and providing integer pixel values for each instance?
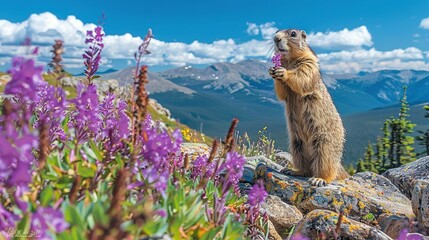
(392, 225)
(322, 224)
(406, 176)
(363, 197)
(283, 158)
(273, 234)
(420, 202)
(282, 215)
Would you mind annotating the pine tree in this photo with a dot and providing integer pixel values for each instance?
(401, 150)
(395, 147)
(368, 163)
(423, 139)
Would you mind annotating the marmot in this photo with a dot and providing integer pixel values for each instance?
(316, 132)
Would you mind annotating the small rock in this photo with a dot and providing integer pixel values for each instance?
(392, 225)
(283, 158)
(159, 108)
(273, 234)
(406, 176)
(322, 224)
(194, 150)
(252, 162)
(420, 202)
(282, 215)
(364, 197)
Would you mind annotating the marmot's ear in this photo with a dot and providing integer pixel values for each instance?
(303, 35)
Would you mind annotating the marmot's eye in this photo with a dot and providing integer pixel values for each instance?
(293, 34)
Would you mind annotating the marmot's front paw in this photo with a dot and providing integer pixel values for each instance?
(318, 182)
(277, 73)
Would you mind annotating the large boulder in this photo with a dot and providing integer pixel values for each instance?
(323, 224)
(406, 176)
(363, 197)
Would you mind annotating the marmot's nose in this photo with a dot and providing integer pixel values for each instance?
(276, 38)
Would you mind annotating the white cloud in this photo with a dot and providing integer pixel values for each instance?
(355, 38)
(373, 60)
(267, 30)
(353, 44)
(344, 39)
(252, 29)
(424, 23)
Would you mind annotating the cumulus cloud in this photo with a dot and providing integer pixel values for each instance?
(343, 39)
(355, 38)
(424, 23)
(351, 46)
(267, 30)
(373, 60)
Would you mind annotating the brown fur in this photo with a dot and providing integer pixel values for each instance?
(316, 132)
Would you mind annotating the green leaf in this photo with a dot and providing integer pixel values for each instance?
(72, 216)
(23, 228)
(46, 196)
(64, 182)
(99, 214)
(86, 171)
(369, 217)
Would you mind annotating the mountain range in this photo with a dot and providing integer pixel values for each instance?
(208, 98)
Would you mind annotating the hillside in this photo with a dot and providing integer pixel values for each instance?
(208, 98)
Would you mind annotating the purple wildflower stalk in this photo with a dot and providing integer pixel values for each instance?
(93, 55)
(277, 60)
(142, 50)
(256, 197)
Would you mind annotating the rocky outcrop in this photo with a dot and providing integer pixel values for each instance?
(323, 224)
(406, 176)
(363, 197)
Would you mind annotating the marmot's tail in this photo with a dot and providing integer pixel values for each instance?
(342, 174)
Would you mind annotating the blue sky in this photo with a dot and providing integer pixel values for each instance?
(348, 36)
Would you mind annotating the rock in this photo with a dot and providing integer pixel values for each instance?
(322, 224)
(282, 215)
(250, 165)
(194, 150)
(273, 234)
(252, 162)
(406, 176)
(420, 202)
(159, 108)
(283, 158)
(364, 197)
(392, 225)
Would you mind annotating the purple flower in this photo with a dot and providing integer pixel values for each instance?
(48, 219)
(200, 166)
(26, 77)
(16, 158)
(277, 60)
(257, 194)
(233, 166)
(114, 123)
(405, 235)
(7, 219)
(93, 55)
(159, 150)
(51, 111)
(85, 118)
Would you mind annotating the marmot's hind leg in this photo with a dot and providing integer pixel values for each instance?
(298, 160)
(324, 164)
